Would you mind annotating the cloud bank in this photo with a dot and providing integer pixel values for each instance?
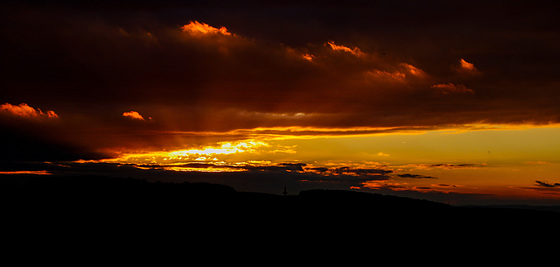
(270, 67)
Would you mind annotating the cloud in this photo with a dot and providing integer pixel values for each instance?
(25, 111)
(466, 66)
(415, 176)
(381, 185)
(265, 66)
(356, 51)
(198, 29)
(547, 184)
(373, 173)
(379, 74)
(413, 70)
(450, 88)
(308, 57)
(543, 186)
(134, 115)
(280, 167)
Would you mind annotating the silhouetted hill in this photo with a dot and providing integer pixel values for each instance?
(91, 215)
(127, 199)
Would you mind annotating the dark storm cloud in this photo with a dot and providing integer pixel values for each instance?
(295, 63)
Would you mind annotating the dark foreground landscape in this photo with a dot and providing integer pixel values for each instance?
(91, 217)
(70, 196)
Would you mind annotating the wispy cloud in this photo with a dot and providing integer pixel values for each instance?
(415, 176)
(445, 166)
(356, 51)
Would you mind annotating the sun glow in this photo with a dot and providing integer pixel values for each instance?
(225, 148)
(205, 153)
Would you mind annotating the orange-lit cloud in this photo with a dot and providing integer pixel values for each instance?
(356, 51)
(413, 70)
(196, 28)
(398, 72)
(25, 111)
(134, 115)
(467, 67)
(308, 57)
(397, 75)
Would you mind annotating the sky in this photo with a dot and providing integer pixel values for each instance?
(452, 101)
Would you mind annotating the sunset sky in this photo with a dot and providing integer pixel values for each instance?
(452, 101)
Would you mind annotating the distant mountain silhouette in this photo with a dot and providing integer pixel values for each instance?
(133, 215)
(105, 195)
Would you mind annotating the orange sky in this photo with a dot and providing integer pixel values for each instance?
(450, 101)
(495, 160)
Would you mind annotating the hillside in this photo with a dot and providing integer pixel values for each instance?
(119, 196)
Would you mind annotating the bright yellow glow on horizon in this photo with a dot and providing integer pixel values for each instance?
(282, 141)
(474, 159)
(206, 153)
(213, 169)
(225, 148)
